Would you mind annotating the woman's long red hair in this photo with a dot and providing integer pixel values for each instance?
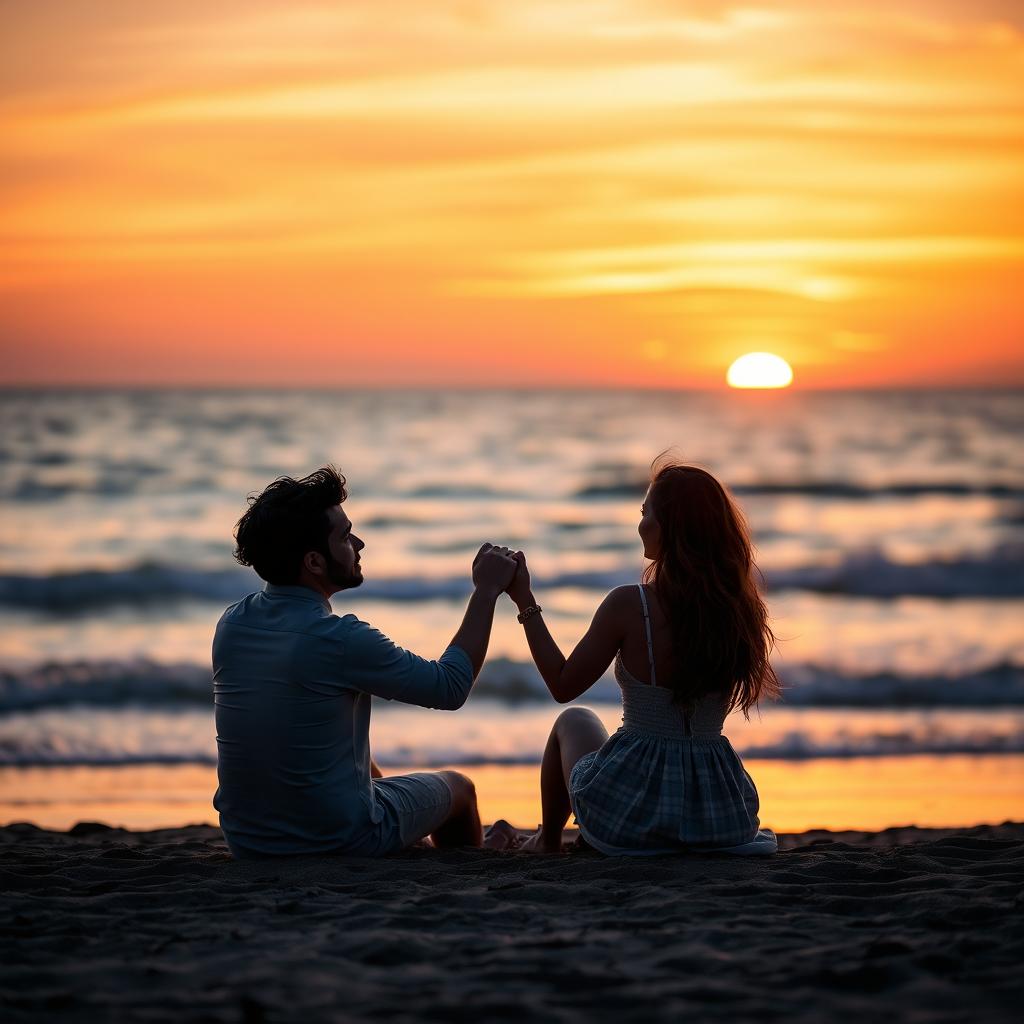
(704, 577)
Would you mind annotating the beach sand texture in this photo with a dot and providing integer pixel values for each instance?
(906, 924)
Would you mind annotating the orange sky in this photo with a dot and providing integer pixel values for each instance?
(495, 193)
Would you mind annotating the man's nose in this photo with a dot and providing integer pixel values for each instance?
(359, 545)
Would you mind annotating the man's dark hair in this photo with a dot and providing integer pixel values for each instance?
(286, 521)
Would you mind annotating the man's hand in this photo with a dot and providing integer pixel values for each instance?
(493, 569)
(520, 588)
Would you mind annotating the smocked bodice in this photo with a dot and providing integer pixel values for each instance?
(649, 709)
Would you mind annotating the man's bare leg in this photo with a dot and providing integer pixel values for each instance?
(462, 828)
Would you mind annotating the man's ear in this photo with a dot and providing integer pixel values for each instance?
(314, 562)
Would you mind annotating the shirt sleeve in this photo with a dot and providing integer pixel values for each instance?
(373, 663)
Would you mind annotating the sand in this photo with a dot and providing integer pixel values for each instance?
(907, 925)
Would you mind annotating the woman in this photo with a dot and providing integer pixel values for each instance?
(690, 644)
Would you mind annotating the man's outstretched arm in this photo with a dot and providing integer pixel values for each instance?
(474, 634)
(375, 664)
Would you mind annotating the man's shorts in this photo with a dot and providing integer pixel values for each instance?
(414, 806)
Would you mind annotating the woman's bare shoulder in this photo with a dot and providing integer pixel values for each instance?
(622, 600)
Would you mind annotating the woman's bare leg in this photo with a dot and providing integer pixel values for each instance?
(463, 825)
(577, 731)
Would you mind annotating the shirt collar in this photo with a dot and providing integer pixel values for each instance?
(295, 593)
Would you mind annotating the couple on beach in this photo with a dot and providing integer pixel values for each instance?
(293, 684)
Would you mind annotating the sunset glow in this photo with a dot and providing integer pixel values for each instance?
(759, 370)
(627, 192)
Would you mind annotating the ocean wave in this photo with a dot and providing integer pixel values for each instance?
(144, 683)
(799, 747)
(104, 684)
(994, 574)
(999, 685)
(143, 584)
(455, 491)
(116, 481)
(631, 487)
(115, 740)
(93, 590)
(37, 478)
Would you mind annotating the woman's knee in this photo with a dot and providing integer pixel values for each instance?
(576, 718)
(577, 731)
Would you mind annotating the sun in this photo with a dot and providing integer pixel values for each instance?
(760, 370)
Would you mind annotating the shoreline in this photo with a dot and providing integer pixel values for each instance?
(108, 924)
(860, 794)
(98, 832)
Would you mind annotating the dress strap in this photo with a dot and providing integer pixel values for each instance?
(647, 626)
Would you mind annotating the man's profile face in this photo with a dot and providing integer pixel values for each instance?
(343, 547)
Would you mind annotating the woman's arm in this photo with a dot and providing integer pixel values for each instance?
(565, 678)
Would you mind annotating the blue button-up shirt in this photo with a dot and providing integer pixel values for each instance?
(292, 684)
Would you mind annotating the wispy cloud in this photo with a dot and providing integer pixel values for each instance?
(847, 161)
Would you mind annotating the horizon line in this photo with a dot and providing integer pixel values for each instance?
(143, 386)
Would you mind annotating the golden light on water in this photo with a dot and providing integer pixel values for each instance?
(760, 370)
(837, 793)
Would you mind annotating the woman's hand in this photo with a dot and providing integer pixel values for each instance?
(520, 588)
(493, 569)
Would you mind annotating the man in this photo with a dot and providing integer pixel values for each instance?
(293, 683)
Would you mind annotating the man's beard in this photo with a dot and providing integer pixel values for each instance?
(342, 579)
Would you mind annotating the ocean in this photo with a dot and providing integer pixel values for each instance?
(889, 527)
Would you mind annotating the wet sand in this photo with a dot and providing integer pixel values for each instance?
(910, 924)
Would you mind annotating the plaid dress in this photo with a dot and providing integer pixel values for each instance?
(666, 780)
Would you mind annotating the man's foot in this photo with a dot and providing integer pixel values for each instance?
(501, 836)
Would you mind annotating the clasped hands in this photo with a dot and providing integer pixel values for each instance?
(499, 569)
